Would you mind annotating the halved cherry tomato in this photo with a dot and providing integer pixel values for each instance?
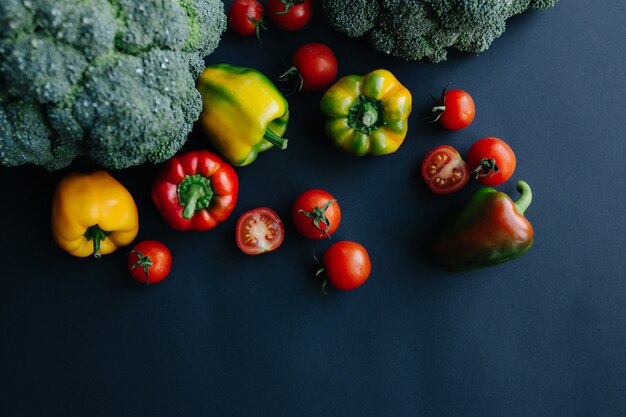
(259, 231)
(347, 265)
(444, 171)
(455, 110)
(149, 262)
(289, 14)
(491, 161)
(316, 214)
(245, 17)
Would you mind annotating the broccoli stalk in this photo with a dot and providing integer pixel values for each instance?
(113, 80)
(417, 29)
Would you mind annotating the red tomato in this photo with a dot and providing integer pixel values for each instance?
(259, 231)
(149, 262)
(245, 17)
(491, 160)
(316, 214)
(444, 171)
(456, 110)
(289, 14)
(347, 265)
(315, 64)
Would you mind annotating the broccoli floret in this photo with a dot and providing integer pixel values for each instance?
(162, 116)
(416, 29)
(26, 132)
(113, 80)
(353, 17)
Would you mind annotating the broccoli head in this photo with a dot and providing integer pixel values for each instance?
(416, 29)
(113, 80)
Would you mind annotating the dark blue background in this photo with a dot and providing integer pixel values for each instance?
(232, 335)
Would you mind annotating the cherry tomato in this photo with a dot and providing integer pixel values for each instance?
(315, 65)
(316, 214)
(245, 17)
(456, 109)
(444, 171)
(149, 262)
(259, 231)
(491, 161)
(346, 264)
(289, 14)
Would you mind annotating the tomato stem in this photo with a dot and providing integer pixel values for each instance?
(324, 282)
(319, 216)
(258, 25)
(291, 73)
(487, 167)
(288, 4)
(319, 272)
(440, 106)
(143, 261)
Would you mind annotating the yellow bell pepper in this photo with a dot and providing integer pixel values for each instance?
(243, 113)
(367, 114)
(93, 214)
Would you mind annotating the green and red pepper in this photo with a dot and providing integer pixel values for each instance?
(489, 231)
(195, 191)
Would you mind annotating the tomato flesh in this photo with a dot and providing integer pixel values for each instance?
(149, 262)
(317, 65)
(259, 231)
(315, 205)
(347, 265)
(459, 110)
(244, 17)
(499, 153)
(444, 171)
(298, 16)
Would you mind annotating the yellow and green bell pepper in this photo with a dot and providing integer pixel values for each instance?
(367, 114)
(243, 113)
(93, 214)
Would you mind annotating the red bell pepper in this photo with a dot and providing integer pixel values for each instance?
(195, 191)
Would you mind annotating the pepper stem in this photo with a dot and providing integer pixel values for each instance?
(366, 114)
(194, 193)
(96, 234)
(525, 198)
(370, 115)
(274, 139)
